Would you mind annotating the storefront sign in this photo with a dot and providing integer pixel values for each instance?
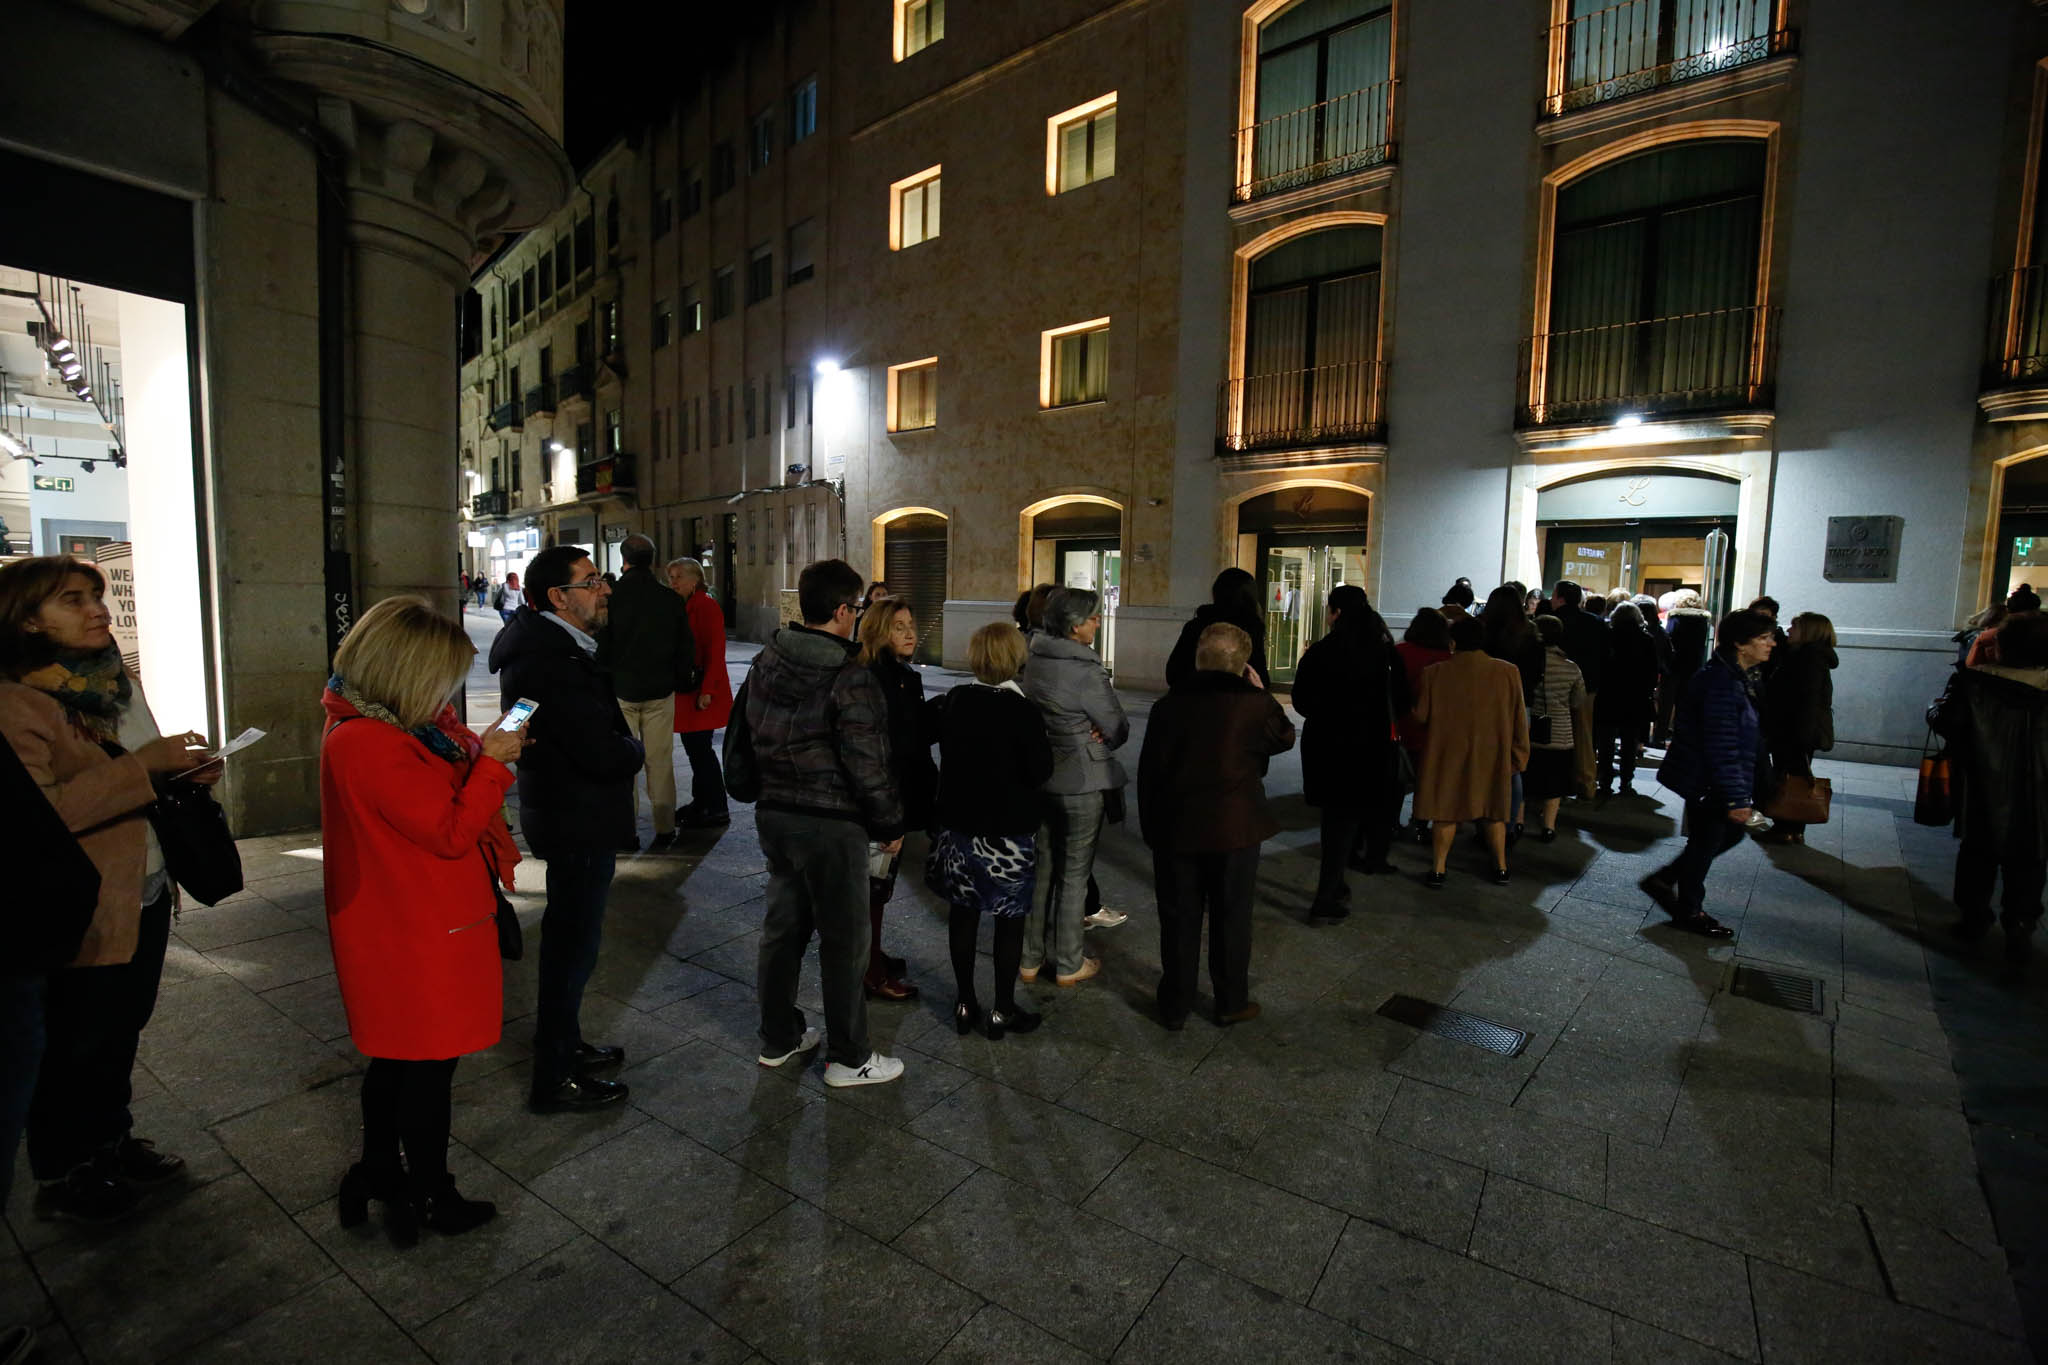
(1863, 549)
(614, 534)
(478, 540)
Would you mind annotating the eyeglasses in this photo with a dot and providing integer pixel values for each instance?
(586, 583)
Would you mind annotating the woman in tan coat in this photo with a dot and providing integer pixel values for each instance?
(82, 729)
(1478, 740)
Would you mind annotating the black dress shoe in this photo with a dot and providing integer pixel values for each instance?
(92, 1193)
(575, 1094)
(966, 1018)
(1701, 923)
(1012, 1020)
(388, 1187)
(1436, 881)
(591, 1057)
(1500, 876)
(448, 1213)
(137, 1161)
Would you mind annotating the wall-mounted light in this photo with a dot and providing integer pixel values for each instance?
(827, 366)
(1629, 419)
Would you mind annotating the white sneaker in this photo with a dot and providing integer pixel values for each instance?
(809, 1043)
(1105, 918)
(874, 1071)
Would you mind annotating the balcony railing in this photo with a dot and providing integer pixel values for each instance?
(2017, 348)
(1645, 44)
(506, 416)
(540, 399)
(1341, 135)
(1694, 364)
(574, 382)
(1294, 409)
(494, 503)
(600, 478)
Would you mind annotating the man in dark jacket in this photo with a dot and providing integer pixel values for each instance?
(575, 806)
(1233, 597)
(647, 648)
(1714, 764)
(819, 726)
(1202, 809)
(1585, 644)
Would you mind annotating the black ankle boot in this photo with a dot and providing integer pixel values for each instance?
(387, 1186)
(445, 1210)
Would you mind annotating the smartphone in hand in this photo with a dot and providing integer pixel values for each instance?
(521, 712)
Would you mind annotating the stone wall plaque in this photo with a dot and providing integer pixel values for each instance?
(1862, 550)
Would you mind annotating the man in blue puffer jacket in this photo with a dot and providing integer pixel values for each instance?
(1714, 763)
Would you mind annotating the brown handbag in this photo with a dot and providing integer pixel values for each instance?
(1802, 800)
(1934, 803)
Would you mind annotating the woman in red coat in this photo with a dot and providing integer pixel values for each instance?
(700, 713)
(414, 839)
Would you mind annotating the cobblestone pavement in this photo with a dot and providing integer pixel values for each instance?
(1667, 1172)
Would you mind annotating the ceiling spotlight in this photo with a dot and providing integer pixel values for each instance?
(1629, 419)
(827, 366)
(557, 447)
(59, 345)
(86, 465)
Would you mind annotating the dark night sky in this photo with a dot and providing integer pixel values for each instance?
(624, 60)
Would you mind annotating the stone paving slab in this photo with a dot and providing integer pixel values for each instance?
(1666, 1173)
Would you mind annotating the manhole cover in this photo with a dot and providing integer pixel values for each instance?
(1456, 1025)
(1786, 990)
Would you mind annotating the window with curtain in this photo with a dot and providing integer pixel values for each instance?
(693, 310)
(917, 208)
(1080, 367)
(1614, 49)
(1086, 149)
(1321, 106)
(1654, 277)
(920, 24)
(1312, 327)
(916, 399)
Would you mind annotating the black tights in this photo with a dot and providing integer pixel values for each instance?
(963, 928)
(407, 1104)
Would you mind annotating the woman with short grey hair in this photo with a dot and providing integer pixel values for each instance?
(1085, 722)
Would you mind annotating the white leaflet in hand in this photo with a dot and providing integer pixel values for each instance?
(232, 747)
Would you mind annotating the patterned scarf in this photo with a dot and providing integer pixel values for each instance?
(92, 688)
(435, 735)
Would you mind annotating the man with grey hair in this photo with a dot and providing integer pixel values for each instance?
(651, 656)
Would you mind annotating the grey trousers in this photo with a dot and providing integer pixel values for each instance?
(817, 881)
(1067, 833)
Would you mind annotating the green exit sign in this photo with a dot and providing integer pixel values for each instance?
(52, 483)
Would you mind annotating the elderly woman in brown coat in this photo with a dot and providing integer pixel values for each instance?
(1472, 757)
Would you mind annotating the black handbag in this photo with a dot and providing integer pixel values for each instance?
(742, 770)
(511, 937)
(199, 850)
(56, 888)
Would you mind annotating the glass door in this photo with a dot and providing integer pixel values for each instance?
(1097, 565)
(1300, 571)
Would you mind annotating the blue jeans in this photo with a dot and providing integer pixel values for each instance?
(571, 930)
(21, 1053)
(817, 882)
(1067, 833)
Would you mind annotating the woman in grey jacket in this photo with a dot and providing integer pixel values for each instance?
(1085, 721)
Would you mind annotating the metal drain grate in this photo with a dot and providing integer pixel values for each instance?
(1455, 1025)
(1786, 990)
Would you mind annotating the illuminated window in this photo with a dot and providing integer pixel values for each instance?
(1080, 145)
(761, 148)
(803, 111)
(693, 310)
(1074, 364)
(919, 24)
(914, 395)
(914, 209)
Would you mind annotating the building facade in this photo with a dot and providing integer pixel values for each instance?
(254, 224)
(1659, 294)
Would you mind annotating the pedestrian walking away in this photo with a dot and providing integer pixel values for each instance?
(647, 648)
(1085, 721)
(1202, 811)
(1627, 704)
(1426, 642)
(1478, 740)
(993, 757)
(1556, 713)
(1585, 643)
(888, 637)
(702, 711)
(78, 721)
(1715, 759)
(575, 808)
(415, 848)
(1350, 687)
(817, 725)
(1799, 709)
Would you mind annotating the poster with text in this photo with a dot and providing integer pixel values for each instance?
(117, 561)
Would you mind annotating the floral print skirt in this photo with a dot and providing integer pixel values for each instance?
(995, 875)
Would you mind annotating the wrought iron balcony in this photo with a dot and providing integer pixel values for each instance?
(2016, 351)
(1341, 135)
(506, 416)
(1641, 45)
(540, 399)
(575, 382)
(1721, 361)
(1296, 409)
(603, 478)
(495, 503)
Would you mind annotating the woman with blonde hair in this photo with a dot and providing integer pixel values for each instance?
(994, 755)
(1799, 709)
(415, 849)
(77, 719)
(888, 638)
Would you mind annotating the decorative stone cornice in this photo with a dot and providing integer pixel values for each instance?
(2028, 403)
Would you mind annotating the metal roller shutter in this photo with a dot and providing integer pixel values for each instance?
(914, 564)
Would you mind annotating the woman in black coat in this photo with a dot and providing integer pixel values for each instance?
(1350, 687)
(1627, 701)
(1233, 597)
(888, 639)
(1799, 709)
(995, 755)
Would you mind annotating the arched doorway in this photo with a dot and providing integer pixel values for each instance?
(1077, 542)
(911, 557)
(1301, 542)
(1649, 530)
(2022, 545)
